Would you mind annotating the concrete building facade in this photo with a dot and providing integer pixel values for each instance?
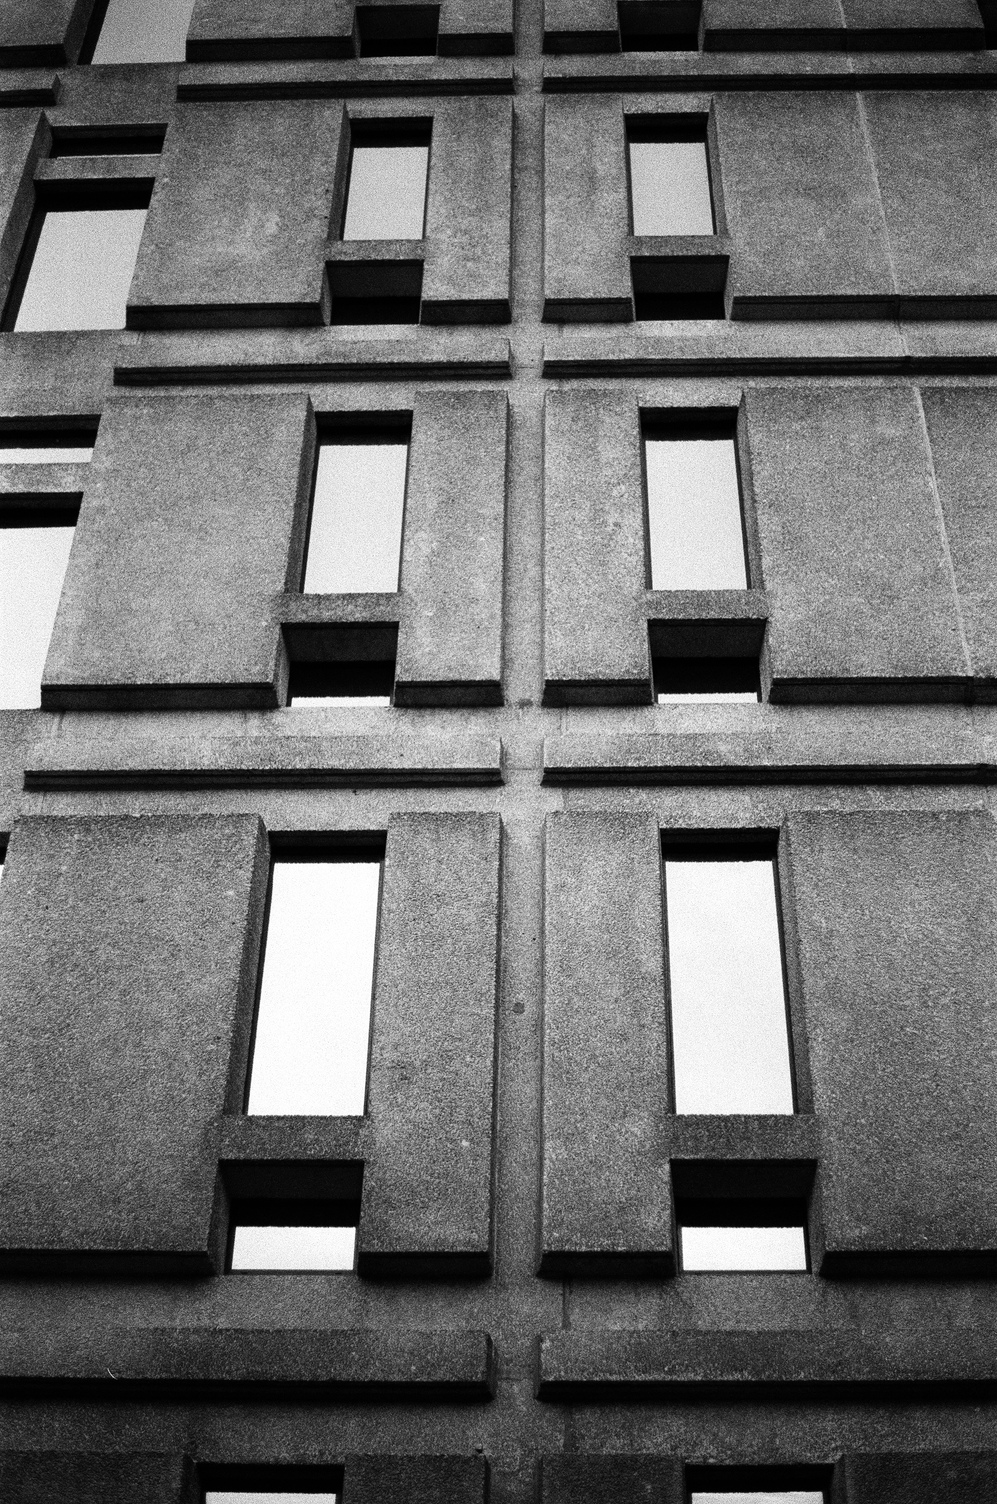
(519, 1325)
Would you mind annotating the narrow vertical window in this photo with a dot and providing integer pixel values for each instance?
(77, 269)
(313, 1018)
(695, 521)
(355, 533)
(670, 190)
(34, 552)
(730, 1030)
(138, 31)
(386, 192)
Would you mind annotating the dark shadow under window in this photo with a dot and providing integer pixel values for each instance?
(742, 1216)
(659, 25)
(375, 292)
(800, 1483)
(398, 30)
(689, 680)
(292, 1217)
(276, 1483)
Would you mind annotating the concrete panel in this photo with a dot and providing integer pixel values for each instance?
(40, 33)
(962, 429)
(581, 26)
(234, 31)
(606, 1187)
(191, 522)
(802, 207)
(596, 648)
(609, 1479)
(896, 937)
(427, 1204)
(239, 218)
(97, 1478)
(940, 200)
(913, 25)
(476, 28)
(469, 214)
(23, 138)
(453, 555)
(778, 26)
(128, 951)
(416, 1480)
(854, 563)
(586, 211)
(919, 1478)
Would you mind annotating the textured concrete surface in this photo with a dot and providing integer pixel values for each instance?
(22, 140)
(232, 31)
(468, 225)
(97, 1478)
(586, 211)
(35, 33)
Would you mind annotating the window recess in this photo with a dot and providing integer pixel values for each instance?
(292, 1216)
(261, 1483)
(137, 31)
(342, 664)
(358, 503)
(376, 266)
(780, 1484)
(311, 1037)
(659, 25)
(749, 1216)
(398, 30)
(731, 1049)
(678, 261)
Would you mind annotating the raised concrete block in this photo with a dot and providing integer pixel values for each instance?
(239, 218)
(224, 31)
(912, 25)
(476, 28)
(427, 1204)
(97, 1478)
(802, 207)
(596, 649)
(608, 1478)
(896, 938)
(940, 201)
(586, 211)
(23, 138)
(606, 1198)
(40, 33)
(467, 278)
(453, 556)
(861, 595)
(581, 26)
(416, 1480)
(778, 26)
(918, 1478)
(128, 949)
(192, 521)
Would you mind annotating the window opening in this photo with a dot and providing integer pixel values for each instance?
(694, 681)
(292, 1248)
(273, 1483)
(138, 31)
(34, 553)
(729, 1009)
(386, 188)
(803, 1483)
(77, 268)
(398, 30)
(659, 25)
(694, 512)
(313, 1018)
(670, 191)
(355, 531)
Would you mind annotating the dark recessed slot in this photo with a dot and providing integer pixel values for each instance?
(273, 1479)
(679, 287)
(707, 677)
(659, 25)
(743, 1215)
(275, 1208)
(677, 125)
(341, 661)
(48, 513)
(376, 292)
(811, 1480)
(398, 30)
(346, 680)
(139, 140)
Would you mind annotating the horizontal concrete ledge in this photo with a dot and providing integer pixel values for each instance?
(673, 72)
(297, 1138)
(398, 761)
(237, 356)
(24, 87)
(768, 756)
(583, 1365)
(355, 78)
(36, 484)
(180, 1362)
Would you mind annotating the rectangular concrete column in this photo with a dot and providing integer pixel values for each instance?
(861, 594)
(450, 638)
(192, 521)
(606, 1093)
(23, 139)
(596, 648)
(42, 33)
(469, 214)
(802, 208)
(427, 1202)
(586, 210)
(940, 201)
(237, 227)
(895, 925)
(128, 950)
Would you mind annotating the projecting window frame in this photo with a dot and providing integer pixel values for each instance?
(725, 1195)
(733, 845)
(342, 848)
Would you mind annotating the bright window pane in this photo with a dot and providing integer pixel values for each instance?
(743, 1248)
(709, 697)
(32, 566)
(293, 1248)
(694, 515)
(387, 193)
(310, 1055)
(729, 1026)
(45, 456)
(670, 188)
(355, 538)
(794, 1496)
(243, 1497)
(82, 270)
(341, 702)
(144, 31)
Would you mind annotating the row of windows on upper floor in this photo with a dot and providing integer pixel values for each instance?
(695, 541)
(157, 31)
(79, 259)
(731, 1046)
